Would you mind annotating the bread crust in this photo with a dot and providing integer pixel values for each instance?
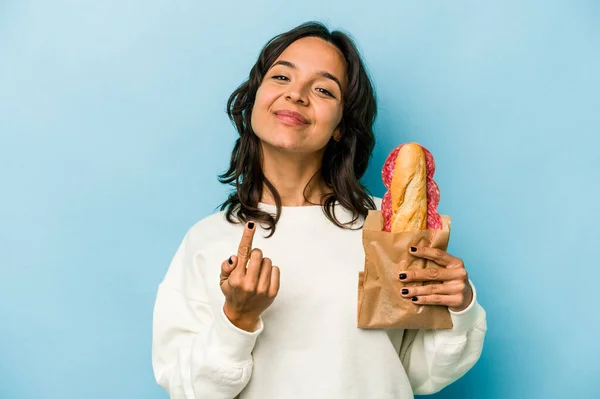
(408, 189)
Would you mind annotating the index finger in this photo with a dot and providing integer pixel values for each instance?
(245, 247)
(440, 257)
(432, 274)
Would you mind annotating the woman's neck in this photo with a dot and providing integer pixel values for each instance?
(294, 178)
(313, 199)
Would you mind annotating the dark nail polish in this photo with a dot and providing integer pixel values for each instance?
(414, 299)
(402, 276)
(251, 225)
(413, 249)
(404, 291)
(230, 261)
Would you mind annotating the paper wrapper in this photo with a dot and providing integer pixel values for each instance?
(380, 304)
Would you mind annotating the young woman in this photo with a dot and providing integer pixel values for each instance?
(278, 319)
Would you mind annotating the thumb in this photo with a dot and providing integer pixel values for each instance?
(228, 266)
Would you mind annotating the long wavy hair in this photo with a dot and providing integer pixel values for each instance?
(344, 161)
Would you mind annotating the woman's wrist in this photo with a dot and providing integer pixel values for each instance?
(242, 321)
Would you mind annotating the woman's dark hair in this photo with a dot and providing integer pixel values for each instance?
(344, 161)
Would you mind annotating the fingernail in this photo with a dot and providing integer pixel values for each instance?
(250, 225)
(414, 299)
(402, 276)
(413, 249)
(230, 261)
(404, 291)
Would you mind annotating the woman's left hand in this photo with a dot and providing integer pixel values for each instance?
(454, 290)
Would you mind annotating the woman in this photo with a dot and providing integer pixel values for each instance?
(224, 327)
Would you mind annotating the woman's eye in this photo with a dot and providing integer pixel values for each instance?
(326, 92)
(279, 77)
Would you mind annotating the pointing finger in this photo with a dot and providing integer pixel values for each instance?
(244, 248)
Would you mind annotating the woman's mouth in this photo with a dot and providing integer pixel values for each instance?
(290, 118)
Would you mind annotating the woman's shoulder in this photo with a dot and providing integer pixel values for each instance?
(211, 226)
(216, 225)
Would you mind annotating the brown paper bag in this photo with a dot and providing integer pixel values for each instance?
(380, 304)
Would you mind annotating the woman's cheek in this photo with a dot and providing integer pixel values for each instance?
(261, 105)
(333, 117)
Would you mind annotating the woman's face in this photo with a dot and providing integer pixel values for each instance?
(298, 106)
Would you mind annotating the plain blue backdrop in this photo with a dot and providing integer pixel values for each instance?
(113, 130)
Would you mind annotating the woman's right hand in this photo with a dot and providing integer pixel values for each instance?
(250, 283)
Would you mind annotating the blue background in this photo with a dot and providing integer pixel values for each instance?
(113, 130)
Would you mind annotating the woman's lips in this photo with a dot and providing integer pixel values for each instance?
(289, 119)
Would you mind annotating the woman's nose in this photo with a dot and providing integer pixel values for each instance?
(297, 94)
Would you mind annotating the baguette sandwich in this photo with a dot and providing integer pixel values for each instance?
(411, 200)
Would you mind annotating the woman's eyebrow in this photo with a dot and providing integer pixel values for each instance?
(324, 74)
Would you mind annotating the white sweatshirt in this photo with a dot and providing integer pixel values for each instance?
(307, 344)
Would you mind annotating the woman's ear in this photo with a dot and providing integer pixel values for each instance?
(337, 135)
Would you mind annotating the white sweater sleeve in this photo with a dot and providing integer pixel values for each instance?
(195, 352)
(433, 359)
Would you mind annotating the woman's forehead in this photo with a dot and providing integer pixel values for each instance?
(312, 54)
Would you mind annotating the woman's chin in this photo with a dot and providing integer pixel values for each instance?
(284, 143)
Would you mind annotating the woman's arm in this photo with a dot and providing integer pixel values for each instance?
(433, 359)
(197, 352)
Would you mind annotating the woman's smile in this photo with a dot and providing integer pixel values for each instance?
(291, 118)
